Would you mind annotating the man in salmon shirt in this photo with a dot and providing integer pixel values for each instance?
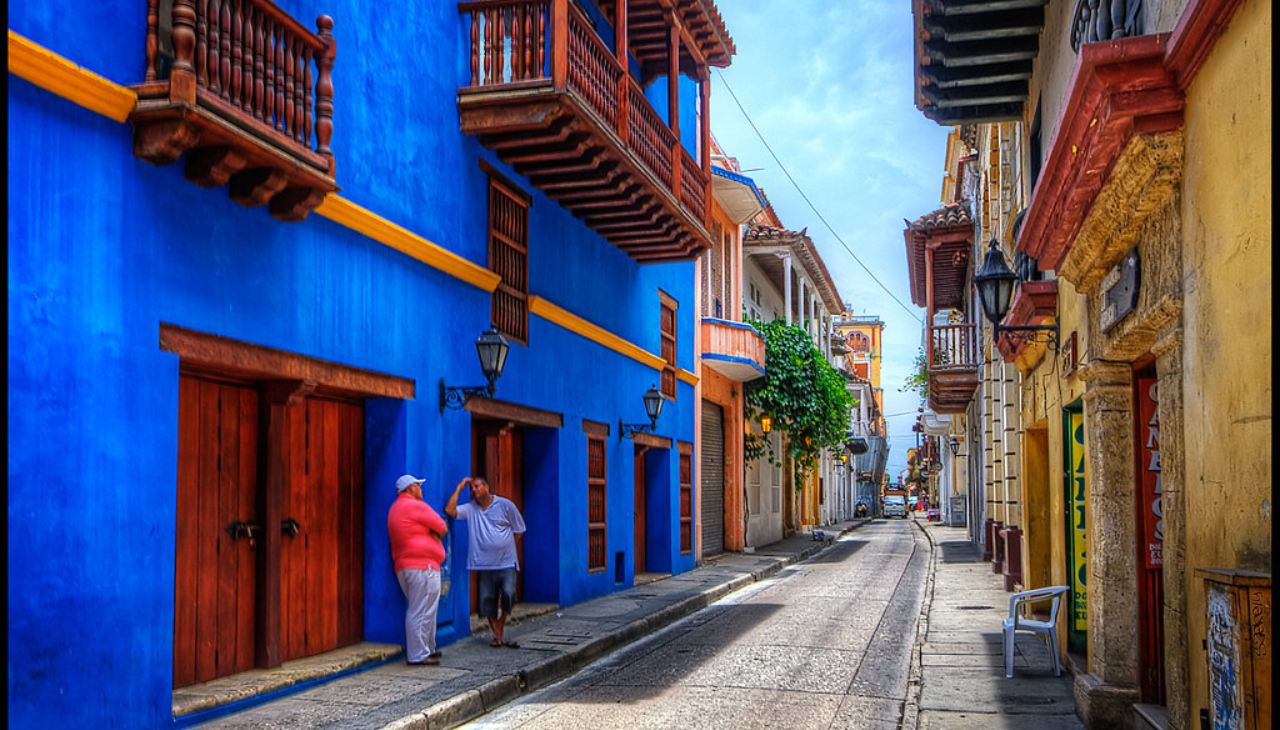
(416, 532)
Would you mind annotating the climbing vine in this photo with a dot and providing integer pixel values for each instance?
(804, 396)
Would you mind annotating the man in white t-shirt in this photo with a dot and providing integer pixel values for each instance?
(493, 523)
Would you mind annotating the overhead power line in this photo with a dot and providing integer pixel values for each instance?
(783, 167)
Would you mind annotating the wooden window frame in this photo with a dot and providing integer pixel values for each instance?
(668, 344)
(509, 258)
(597, 491)
(686, 499)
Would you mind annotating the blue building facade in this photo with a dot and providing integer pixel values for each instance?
(166, 342)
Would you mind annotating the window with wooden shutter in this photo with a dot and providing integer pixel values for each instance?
(595, 504)
(669, 347)
(509, 258)
(686, 501)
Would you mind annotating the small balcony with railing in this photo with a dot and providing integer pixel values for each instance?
(565, 109)
(733, 349)
(245, 93)
(938, 262)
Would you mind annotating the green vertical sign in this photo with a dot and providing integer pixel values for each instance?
(1077, 500)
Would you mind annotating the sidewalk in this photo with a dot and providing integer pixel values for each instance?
(958, 680)
(370, 686)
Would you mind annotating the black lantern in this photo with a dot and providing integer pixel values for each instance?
(995, 283)
(492, 349)
(954, 444)
(653, 400)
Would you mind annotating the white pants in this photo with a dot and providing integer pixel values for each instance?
(422, 589)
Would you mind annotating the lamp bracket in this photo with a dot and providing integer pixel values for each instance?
(456, 397)
(630, 429)
(1042, 333)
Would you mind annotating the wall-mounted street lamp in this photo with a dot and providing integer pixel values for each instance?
(766, 423)
(492, 348)
(954, 445)
(995, 282)
(653, 401)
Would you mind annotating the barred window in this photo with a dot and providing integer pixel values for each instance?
(509, 258)
(595, 504)
(669, 347)
(686, 501)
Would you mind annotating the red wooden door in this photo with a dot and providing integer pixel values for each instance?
(497, 451)
(321, 571)
(214, 570)
(639, 510)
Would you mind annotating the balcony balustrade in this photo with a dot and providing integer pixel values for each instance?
(953, 366)
(229, 83)
(734, 349)
(551, 99)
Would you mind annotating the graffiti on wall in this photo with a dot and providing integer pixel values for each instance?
(1224, 660)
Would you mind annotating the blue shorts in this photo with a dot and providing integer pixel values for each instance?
(494, 587)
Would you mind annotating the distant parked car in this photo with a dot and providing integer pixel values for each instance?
(914, 502)
(895, 506)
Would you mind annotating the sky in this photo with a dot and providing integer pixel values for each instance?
(828, 86)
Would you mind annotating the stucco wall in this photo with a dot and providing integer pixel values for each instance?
(1226, 220)
(103, 248)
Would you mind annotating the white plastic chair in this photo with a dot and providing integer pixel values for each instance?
(1047, 630)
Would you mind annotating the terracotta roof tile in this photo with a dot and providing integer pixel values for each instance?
(951, 214)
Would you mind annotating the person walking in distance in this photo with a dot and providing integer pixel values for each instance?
(416, 533)
(491, 553)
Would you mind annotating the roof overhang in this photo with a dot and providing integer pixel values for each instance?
(737, 195)
(973, 60)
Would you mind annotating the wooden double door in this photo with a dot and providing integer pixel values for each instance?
(269, 534)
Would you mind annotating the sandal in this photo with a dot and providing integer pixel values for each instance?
(495, 643)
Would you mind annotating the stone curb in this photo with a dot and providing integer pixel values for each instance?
(474, 703)
(915, 676)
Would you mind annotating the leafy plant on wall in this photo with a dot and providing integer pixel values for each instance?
(804, 396)
(918, 381)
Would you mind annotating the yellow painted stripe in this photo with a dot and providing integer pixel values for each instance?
(52, 72)
(346, 213)
(687, 377)
(578, 325)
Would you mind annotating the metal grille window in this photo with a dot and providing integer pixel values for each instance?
(686, 502)
(669, 347)
(595, 504)
(509, 258)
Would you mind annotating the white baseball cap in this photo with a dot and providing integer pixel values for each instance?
(407, 481)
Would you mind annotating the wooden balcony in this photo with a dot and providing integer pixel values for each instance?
(552, 100)
(230, 86)
(733, 349)
(953, 369)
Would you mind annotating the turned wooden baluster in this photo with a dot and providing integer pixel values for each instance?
(282, 76)
(475, 47)
(259, 64)
(286, 101)
(529, 41)
(269, 88)
(542, 40)
(224, 25)
(182, 78)
(324, 90)
(237, 64)
(202, 43)
(250, 57)
(152, 43)
(299, 72)
(307, 119)
(215, 43)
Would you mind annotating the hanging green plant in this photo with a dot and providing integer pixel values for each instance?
(805, 397)
(918, 381)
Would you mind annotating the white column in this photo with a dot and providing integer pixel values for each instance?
(786, 286)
